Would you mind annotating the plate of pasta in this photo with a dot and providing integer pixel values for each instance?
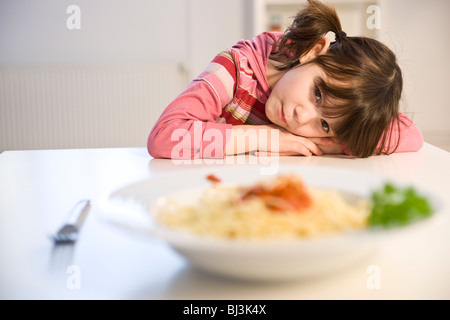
(301, 222)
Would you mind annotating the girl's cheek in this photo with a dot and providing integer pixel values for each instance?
(269, 108)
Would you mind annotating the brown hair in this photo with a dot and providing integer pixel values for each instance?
(367, 82)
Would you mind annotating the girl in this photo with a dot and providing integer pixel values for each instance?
(320, 96)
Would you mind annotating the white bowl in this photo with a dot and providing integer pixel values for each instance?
(254, 260)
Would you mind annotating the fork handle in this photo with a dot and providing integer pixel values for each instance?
(79, 212)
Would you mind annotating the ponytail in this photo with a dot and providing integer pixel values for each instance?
(309, 26)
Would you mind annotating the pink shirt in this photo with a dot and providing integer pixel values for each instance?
(232, 90)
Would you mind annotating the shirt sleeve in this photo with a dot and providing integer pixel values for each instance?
(188, 127)
(407, 134)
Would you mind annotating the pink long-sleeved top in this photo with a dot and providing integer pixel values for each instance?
(232, 90)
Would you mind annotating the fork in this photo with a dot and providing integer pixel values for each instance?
(69, 231)
(64, 240)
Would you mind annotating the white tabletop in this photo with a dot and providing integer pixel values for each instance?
(39, 187)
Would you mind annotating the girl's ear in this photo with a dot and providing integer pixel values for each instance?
(319, 48)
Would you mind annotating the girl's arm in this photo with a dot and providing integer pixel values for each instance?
(261, 138)
(188, 127)
(272, 140)
(407, 134)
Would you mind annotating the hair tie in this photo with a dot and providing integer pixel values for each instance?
(341, 35)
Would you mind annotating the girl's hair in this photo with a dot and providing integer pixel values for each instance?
(366, 82)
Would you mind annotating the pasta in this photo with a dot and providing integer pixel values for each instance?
(280, 208)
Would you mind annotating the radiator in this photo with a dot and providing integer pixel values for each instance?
(83, 106)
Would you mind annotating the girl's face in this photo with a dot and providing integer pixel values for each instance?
(294, 103)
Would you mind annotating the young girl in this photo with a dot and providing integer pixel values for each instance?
(321, 96)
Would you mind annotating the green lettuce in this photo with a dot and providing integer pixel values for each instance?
(398, 206)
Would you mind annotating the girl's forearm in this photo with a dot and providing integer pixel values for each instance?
(249, 138)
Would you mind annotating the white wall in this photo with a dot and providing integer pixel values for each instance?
(116, 31)
(116, 37)
(215, 25)
(418, 31)
(34, 31)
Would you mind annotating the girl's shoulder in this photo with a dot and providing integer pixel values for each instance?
(262, 42)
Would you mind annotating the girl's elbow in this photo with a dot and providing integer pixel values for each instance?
(152, 148)
(412, 142)
(418, 142)
(156, 147)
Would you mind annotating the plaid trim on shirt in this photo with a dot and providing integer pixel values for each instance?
(246, 99)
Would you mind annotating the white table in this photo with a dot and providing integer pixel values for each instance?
(38, 188)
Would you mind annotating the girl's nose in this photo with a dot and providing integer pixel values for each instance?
(305, 114)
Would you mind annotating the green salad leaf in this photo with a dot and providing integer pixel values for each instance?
(397, 206)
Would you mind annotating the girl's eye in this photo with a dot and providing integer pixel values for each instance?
(317, 94)
(325, 126)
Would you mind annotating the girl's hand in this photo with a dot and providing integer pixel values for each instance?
(291, 144)
(328, 145)
(260, 139)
